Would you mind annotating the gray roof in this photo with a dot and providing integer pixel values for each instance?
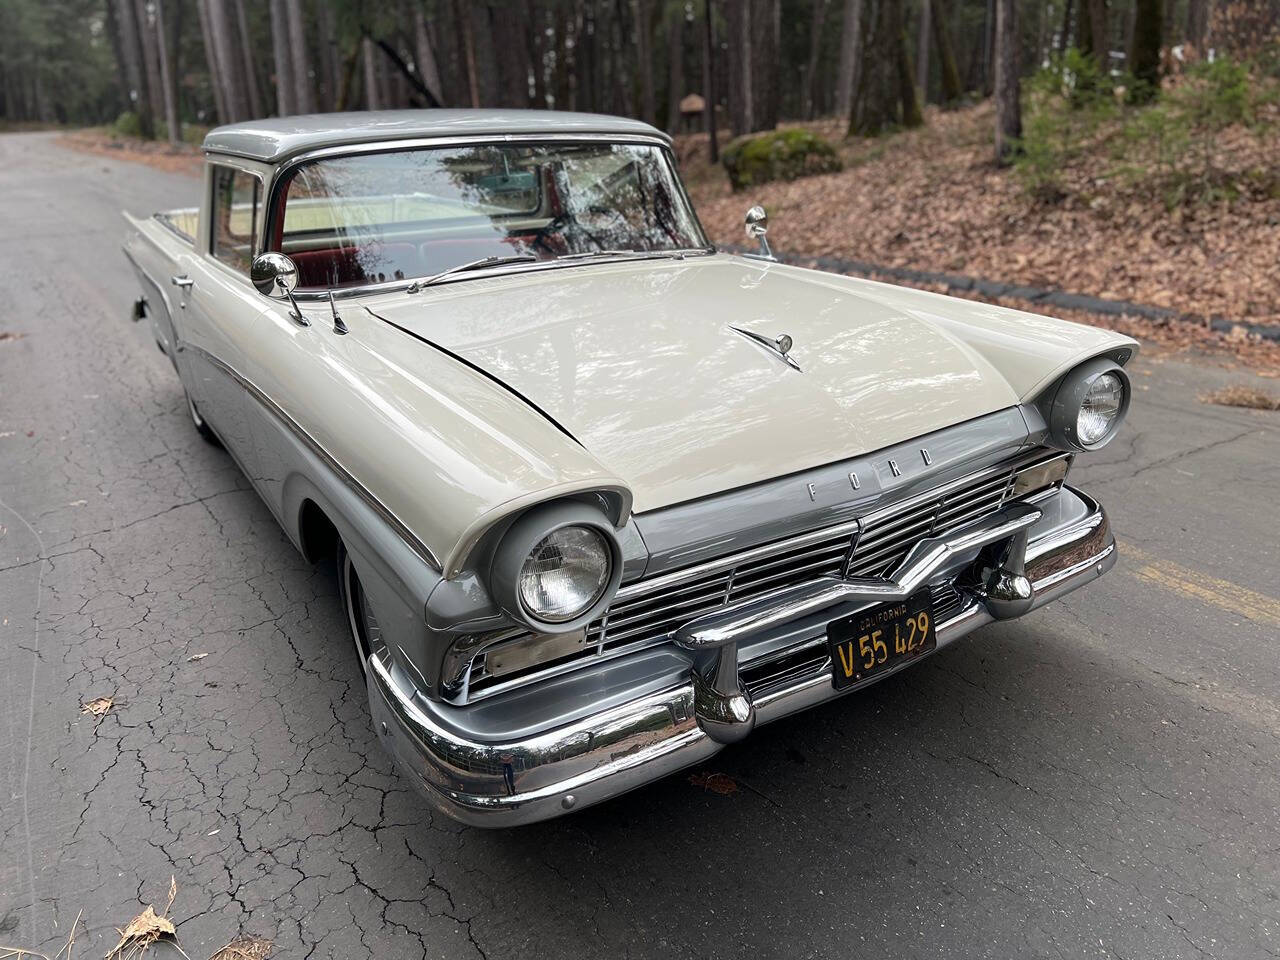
(279, 137)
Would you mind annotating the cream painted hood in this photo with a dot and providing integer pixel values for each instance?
(639, 363)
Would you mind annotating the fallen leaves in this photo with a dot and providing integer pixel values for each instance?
(147, 929)
(718, 783)
(929, 200)
(1241, 396)
(245, 947)
(97, 707)
(7, 336)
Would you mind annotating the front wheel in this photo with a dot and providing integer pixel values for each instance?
(201, 425)
(366, 635)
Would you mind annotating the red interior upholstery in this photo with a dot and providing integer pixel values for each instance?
(344, 266)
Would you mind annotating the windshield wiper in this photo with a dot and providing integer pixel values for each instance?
(646, 254)
(464, 267)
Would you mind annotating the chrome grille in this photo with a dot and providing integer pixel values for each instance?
(645, 614)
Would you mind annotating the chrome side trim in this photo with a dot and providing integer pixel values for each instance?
(405, 534)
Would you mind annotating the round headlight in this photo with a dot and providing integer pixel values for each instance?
(1089, 405)
(1100, 409)
(565, 574)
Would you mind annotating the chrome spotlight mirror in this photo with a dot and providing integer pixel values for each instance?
(276, 276)
(757, 227)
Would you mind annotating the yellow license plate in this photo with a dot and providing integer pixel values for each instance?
(879, 639)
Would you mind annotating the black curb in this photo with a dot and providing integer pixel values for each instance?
(995, 290)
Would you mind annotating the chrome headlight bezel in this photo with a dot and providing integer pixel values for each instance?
(518, 544)
(1064, 411)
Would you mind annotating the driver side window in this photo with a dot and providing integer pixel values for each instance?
(237, 203)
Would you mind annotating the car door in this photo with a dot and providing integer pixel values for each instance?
(221, 307)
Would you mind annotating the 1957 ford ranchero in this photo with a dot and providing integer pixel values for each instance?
(602, 499)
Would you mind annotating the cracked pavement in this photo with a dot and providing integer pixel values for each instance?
(1099, 779)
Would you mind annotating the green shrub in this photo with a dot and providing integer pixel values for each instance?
(1079, 119)
(778, 155)
(128, 125)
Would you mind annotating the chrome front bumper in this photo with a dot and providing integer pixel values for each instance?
(1014, 561)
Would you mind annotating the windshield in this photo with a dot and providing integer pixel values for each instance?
(372, 218)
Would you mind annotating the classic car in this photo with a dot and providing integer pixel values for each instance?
(601, 497)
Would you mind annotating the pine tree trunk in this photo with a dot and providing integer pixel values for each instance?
(131, 44)
(13, 98)
(642, 12)
(1144, 56)
(1198, 25)
(150, 59)
(1064, 40)
(922, 52)
(1007, 92)
(1099, 43)
(742, 81)
(167, 75)
(232, 76)
(911, 115)
(369, 66)
(462, 16)
(847, 80)
(818, 21)
(709, 82)
(303, 98)
(948, 73)
(428, 69)
(878, 101)
(253, 96)
(280, 54)
(330, 60)
(675, 68)
(211, 60)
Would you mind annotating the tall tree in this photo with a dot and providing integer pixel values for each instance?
(948, 73)
(1008, 43)
(1093, 32)
(1144, 55)
(738, 15)
(709, 80)
(847, 79)
(135, 70)
(642, 11)
(675, 67)
(907, 91)
(816, 23)
(462, 16)
(1064, 39)
(221, 107)
(372, 93)
(167, 75)
(922, 51)
(280, 55)
(303, 94)
(231, 74)
(424, 54)
(250, 73)
(877, 105)
(147, 42)
(1198, 16)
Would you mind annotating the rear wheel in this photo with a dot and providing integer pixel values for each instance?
(366, 635)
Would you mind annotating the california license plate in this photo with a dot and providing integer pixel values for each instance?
(876, 640)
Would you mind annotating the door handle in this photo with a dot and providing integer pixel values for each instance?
(183, 281)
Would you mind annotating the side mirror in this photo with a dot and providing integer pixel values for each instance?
(276, 276)
(757, 222)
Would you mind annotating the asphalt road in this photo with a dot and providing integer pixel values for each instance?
(1099, 779)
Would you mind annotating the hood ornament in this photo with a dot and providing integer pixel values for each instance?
(779, 347)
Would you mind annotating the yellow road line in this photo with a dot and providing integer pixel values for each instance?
(1190, 583)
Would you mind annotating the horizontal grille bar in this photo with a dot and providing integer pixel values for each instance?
(647, 613)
